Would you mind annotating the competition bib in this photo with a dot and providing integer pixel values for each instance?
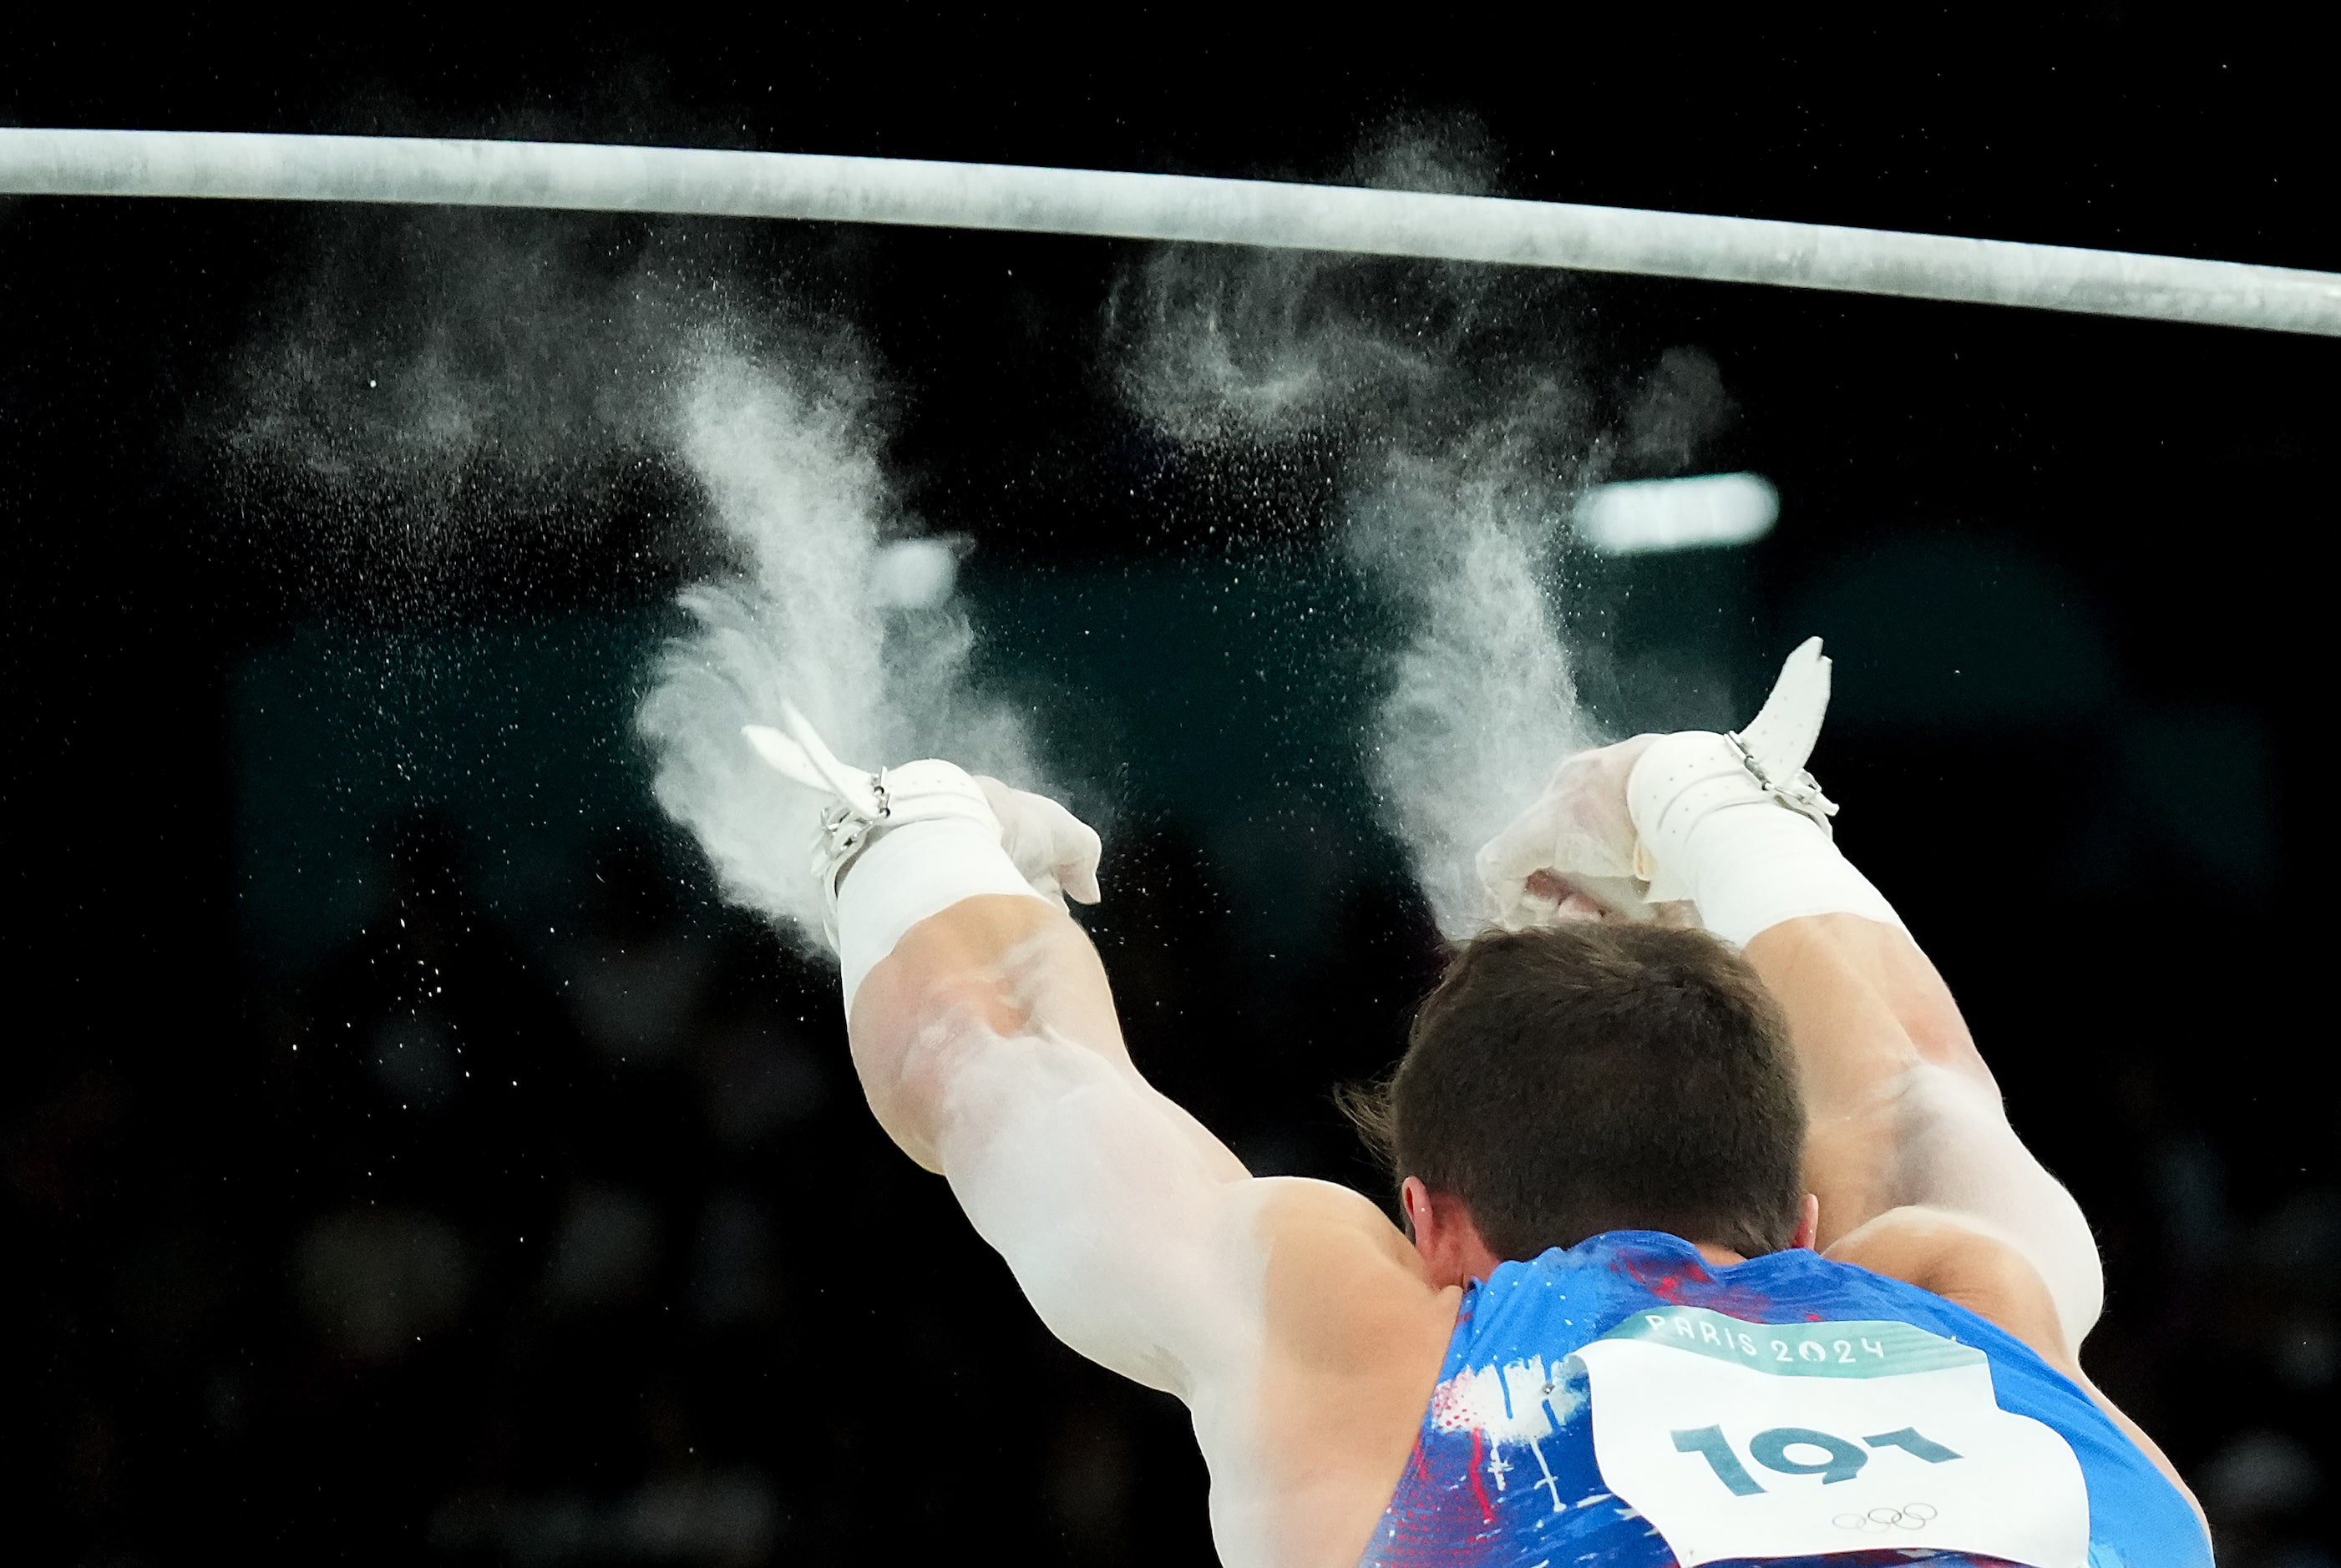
(1790, 1440)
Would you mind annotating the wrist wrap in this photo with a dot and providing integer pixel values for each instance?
(1709, 831)
(904, 874)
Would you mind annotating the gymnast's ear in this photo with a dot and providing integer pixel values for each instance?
(1809, 1223)
(1444, 1233)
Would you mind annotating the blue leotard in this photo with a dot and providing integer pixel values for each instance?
(1505, 1473)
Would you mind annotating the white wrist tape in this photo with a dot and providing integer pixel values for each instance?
(1710, 832)
(911, 872)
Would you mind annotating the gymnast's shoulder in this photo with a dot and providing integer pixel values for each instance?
(1354, 1331)
(1967, 1263)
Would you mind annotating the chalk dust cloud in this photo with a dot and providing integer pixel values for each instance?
(1464, 426)
(449, 401)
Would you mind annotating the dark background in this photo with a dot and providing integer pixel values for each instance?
(659, 1292)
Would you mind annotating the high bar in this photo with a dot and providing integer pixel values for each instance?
(576, 176)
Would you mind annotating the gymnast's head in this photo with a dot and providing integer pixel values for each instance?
(1573, 1079)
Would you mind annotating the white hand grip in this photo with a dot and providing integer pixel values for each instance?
(1781, 735)
(854, 786)
(784, 756)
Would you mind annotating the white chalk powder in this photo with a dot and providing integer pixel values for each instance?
(867, 641)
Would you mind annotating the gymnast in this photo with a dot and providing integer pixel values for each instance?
(1718, 1245)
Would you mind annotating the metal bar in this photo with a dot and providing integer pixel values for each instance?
(576, 176)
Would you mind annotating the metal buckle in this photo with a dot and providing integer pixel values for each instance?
(1801, 793)
(849, 831)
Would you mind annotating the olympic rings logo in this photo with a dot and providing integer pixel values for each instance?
(1880, 1520)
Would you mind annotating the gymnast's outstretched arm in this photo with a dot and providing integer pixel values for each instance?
(1902, 1111)
(985, 1037)
(987, 1043)
(1297, 1325)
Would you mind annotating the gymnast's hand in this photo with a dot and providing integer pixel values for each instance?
(1056, 851)
(1051, 848)
(1570, 855)
(1575, 853)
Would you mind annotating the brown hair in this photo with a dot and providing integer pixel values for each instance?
(1585, 1077)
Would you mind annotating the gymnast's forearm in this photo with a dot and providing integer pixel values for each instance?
(1901, 1109)
(1865, 1005)
(981, 975)
(1875, 1032)
(946, 894)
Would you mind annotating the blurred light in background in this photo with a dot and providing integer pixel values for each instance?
(1642, 516)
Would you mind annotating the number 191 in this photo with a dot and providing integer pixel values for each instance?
(1841, 1460)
